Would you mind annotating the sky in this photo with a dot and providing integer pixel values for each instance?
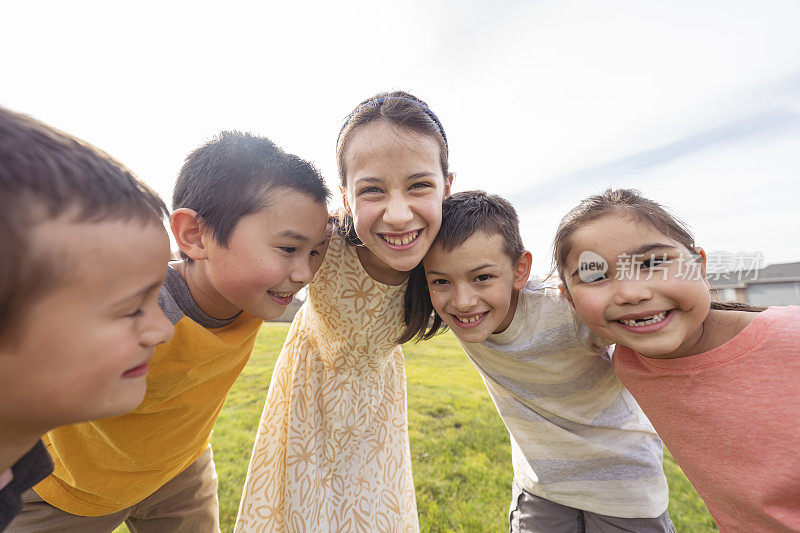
(696, 104)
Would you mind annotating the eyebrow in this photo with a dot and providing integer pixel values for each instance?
(373, 179)
(436, 273)
(291, 234)
(641, 250)
(140, 293)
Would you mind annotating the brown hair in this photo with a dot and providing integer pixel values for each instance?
(232, 176)
(401, 109)
(464, 214)
(630, 203)
(44, 174)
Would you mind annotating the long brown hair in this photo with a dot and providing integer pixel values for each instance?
(632, 204)
(401, 109)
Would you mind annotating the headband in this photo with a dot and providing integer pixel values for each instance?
(381, 99)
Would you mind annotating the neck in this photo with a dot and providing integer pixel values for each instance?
(719, 327)
(16, 441)
(207, 298)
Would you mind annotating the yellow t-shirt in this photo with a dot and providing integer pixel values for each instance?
(105, 466)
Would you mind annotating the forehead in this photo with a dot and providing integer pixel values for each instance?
(478, 249)
(99, 261)
(285, 209)
(381, 145)
(613, 235)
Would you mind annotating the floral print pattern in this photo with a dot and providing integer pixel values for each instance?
(332, 451)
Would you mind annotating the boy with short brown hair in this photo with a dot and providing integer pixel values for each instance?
(82, 258)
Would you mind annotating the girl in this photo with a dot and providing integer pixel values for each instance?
(718, 381)
(332, 451)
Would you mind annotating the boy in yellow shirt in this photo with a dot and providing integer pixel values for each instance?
(250, 222)
(82, 258)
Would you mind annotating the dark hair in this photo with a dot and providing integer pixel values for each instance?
(632, 204)
(401, 109)
(232, 175)
(44, 174)
(464, 214)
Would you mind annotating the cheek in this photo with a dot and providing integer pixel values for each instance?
(589, 308)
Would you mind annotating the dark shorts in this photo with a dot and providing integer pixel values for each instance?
(186, 504)
(532, 514)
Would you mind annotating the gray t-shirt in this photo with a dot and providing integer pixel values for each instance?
(578, 438)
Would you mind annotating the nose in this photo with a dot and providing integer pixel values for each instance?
(398, 211)
(158, 330)
(464, 299)
(303, 270)
(632, 291)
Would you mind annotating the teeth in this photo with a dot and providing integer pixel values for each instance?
(646, 321)
(282, 294)
(398, 241)
(468, 319)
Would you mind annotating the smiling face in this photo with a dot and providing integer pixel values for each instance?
(83, 348)
(653, 297)
(271, 254)
(474, 287)
(394, 193)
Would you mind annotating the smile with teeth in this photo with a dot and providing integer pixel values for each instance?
(282, 294)
(400, 239)
(645, 321)
(469, 319)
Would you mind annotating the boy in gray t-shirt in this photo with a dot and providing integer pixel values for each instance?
(585, 456)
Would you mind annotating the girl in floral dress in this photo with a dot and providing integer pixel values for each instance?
(332, 450)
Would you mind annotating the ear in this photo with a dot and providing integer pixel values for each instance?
(704, 260)
(448, 184)
(566, 294)
(188, 234)
(523, 270)
(346, 204)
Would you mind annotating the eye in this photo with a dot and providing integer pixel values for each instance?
(439, 282)
(288, 249)
(369, 190)
(314, 253)
(135, 314)
(421, 185)
(654, 261)
(484, 277)
(595, 277)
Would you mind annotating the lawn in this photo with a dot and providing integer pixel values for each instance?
(459, 446)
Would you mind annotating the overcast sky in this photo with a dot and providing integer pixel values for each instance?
(696, 103)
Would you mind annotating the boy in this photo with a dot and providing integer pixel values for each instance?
(250, 221)
(82, 257)
(585, 457)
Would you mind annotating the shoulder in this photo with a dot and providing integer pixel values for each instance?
(543, 297)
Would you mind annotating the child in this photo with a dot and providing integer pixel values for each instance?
(332, 452)
(584, 455)
(719, 381)
(250, 223)
(83, 253)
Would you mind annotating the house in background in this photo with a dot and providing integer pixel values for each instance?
(772, 285)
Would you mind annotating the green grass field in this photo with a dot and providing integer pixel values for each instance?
(459, 446)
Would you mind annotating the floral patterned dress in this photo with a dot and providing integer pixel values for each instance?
(332, 452)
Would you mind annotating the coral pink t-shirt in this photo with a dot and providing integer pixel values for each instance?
(731, 418)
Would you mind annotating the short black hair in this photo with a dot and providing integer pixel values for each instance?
(464, 214)
(232, 175)
(44, 174)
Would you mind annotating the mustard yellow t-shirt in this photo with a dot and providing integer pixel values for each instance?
(105, 466)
